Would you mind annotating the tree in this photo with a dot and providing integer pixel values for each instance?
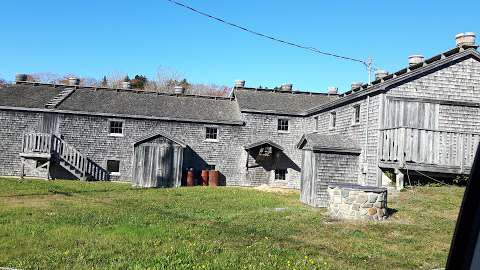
(104, 82)
(3, 83)
(139, 82)
(126, 79)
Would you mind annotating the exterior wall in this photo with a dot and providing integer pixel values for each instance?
(459, 118)
(90, 135)
(12, 126)
(264, 126)
(368, 141)
(333, 168)
(457, 82)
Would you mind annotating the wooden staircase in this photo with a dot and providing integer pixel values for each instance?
(59, 98)
(60, 152)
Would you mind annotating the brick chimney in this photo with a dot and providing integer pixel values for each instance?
(239, 83)
(73, 81)
(465, 39)
(415, 59)
(287, 87)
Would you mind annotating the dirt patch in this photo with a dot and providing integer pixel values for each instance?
(266, 188)
(31, 200)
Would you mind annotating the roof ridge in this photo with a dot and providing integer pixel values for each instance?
(298, 92)
(139, 91)
(400, 74)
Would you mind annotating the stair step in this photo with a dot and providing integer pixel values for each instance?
(55, 101)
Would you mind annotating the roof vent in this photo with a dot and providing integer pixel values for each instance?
(356, 85)
(240, 83)
(126, 85)
(73, 81)
(415, 59)
(332, 90)
(287, 87)
(179, 89)
(21, 77)
(380, 74)
(465, 39)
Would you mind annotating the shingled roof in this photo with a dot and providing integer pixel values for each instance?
(329, 143)
(279, 102)
(28, 95)
(123, 103)
(384, 84)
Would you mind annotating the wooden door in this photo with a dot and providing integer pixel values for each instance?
(153, 165)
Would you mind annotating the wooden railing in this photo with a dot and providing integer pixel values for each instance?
(50, 144)
(427, 146)
(37, 143)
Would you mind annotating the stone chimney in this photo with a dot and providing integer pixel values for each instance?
(73, 81)
(239, 83)
(126, 85)
(21, 78)
(356, 85)
(287, 87)
(179, 90)
(380, 74)
(332, 90)
(465, 39)
(415, 59)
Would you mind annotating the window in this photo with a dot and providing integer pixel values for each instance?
(356, 114)
(316, 122)
(116, 128)
(282, 125)
(333, 120)
(113, 167)
(280, 174)
(211, 133)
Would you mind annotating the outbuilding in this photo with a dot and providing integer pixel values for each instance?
(158, 160)
(326, 159)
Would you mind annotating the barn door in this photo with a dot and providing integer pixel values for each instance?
(153, 165)
(412, 114)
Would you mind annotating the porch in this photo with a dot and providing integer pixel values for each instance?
(427, 150)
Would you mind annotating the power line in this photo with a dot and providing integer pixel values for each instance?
(367, 63)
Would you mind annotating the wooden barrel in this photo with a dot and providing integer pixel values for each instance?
(213, 178)
(190, 178)
(204, 177)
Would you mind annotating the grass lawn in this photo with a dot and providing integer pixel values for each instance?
(78, 225)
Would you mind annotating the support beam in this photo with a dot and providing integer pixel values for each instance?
(399, 179)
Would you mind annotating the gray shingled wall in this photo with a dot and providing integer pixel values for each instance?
(264, 126)
(12, 126)
(457, 82)
(357, 132)
(333, 168)
(90, 135)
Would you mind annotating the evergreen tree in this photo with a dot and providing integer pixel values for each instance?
(104, 81)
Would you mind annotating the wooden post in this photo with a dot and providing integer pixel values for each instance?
(22, 173)
(399, 178)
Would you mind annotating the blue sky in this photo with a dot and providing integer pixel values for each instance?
(96, 38)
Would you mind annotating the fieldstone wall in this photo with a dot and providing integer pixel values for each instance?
(357, 202)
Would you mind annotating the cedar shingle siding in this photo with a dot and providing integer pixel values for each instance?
(448, 87)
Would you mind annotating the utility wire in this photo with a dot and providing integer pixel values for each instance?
(312, 49)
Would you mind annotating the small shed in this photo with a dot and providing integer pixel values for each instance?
(326, 159)
(158, 160)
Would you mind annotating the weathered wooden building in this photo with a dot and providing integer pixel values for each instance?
(424, 118)
(151, 139)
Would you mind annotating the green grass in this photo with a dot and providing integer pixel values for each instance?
(77, 225)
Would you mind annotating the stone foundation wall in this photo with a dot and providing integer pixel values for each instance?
(357, 202)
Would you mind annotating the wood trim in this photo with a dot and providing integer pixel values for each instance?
(435, 101)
